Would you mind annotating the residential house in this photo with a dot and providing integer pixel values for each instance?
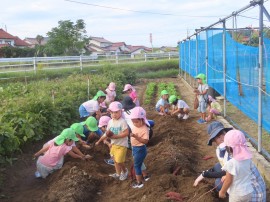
(33, 41)
(101, 46)
(165, 49)
(7, 39)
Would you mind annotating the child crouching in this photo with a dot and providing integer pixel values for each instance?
(55, 151)
(182, 108)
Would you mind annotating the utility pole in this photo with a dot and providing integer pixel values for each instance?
(151, 41)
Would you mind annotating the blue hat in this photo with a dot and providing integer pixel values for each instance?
(214, 129)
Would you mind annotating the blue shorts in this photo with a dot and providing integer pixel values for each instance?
(202, 107)
(86, 132)
(139, 153)
(158, 109)
(83, 112)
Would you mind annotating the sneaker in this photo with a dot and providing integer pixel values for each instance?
(137, 185)
(146, 178)
(200, 121)
(123, 176)
(109, 161)
(115, 175)
(186, 117)
(180, 116)
(37, 174)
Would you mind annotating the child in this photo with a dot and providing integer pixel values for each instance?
(132, 93)
(139, 139)
(129, 107)
(182, 109)
(118, 132)
(162, 105)
(54, 152)
(214, 108)
(92, 107)
(238, 170)
(202, 93)
(110, 93)
(103, 123)
(90, 129)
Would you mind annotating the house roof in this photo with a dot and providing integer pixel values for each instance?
(117, 44)
(19, 42)
(135, 48)
(5, 35)
(100, 39)
(33, 41)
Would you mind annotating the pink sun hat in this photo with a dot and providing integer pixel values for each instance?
(236, 139)
(139, 113)
(127, 87)
(103, 121)
(111, 86)
(115, 106)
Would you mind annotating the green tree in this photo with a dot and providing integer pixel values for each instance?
(67, 39)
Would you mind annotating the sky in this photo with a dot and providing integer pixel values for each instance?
(169, 21)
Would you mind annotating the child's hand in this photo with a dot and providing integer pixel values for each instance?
(221, 194)
(223, 178)
(132, 135)
(97, 143)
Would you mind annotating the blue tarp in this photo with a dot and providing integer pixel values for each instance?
(241, 70)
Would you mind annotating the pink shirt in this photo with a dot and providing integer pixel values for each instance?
(110, 95)
(142, 132)
(133, 96)
(54, 154)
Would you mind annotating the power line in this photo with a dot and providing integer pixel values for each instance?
(136, 11)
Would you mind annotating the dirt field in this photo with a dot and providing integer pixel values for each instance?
(176, 144)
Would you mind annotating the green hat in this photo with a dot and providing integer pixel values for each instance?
(202, 77)
(100, 93)
(67, 134)
(78, 128)
(164, 92)
(91, 123)
(172, 99)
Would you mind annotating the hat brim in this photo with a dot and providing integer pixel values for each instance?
(215, 133)
(82, 135)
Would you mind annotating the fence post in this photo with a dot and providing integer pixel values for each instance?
(189, 60)
(35, 65)
(206, 54)
(145, 57)
(224, 64)
(81, 62)
(88, 87)
(260, 66)
(197, 59)
(169, 55)
(116, 58)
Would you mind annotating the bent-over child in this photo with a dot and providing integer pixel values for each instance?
(181, 107)
(162, 106)
(130, 90)
(54, 152)
(214, 108)
(238, 170)
(92, 107)
(110, 93)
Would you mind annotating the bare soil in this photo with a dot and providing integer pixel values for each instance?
(176, 144)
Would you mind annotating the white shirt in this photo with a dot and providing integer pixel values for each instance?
(241, 171)
(91, 106)
(182, 104)
(161, 102)
(201, 88)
